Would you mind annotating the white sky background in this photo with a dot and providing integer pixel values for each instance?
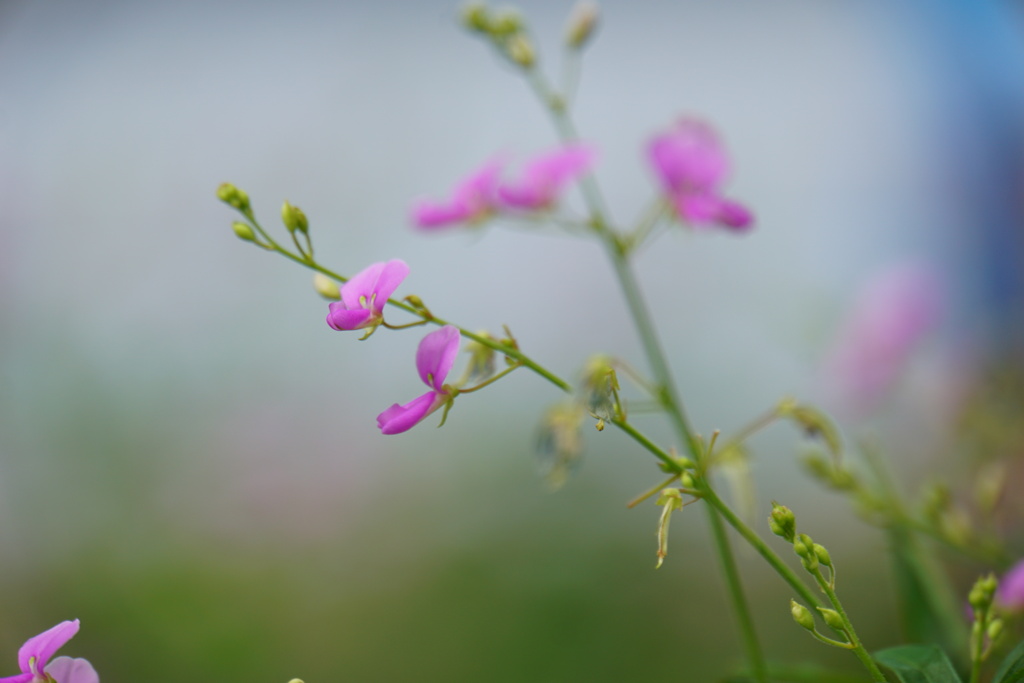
(118, 120)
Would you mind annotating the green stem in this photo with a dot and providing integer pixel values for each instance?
(858, 648)
(740, 606)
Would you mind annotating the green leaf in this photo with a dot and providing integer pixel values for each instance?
(918, 664)
(1012, 668)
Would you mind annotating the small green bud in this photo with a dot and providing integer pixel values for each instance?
(686, 480)
(326, 287)
(520, 50)
(822, 554)
(232, 196)
(801, 615)
(509, 22)
(814, 422)
(476, 18)
(982, 593)
(782, 522)
(244, 231)
(581, 25)
(995, 630)
(295, 680)
(803, 546)
(833, 619)
(293, 218)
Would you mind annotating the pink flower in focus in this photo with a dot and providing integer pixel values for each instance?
(434, 359)
(36, 652)
(363, 297)
(545, 178)
(691, 165)
(474, 199)
(890, 317)
(1010, 594)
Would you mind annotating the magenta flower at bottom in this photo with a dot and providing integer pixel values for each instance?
(34, 659)
(434, 359)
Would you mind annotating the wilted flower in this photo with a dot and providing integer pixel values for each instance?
(691, 165)
(545, 178)
(473, 200)
(434, 359)
(363, 297)
(890, 317)
(34, 659)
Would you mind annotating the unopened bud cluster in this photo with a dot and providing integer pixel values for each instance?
(504, 28)
(988, 627)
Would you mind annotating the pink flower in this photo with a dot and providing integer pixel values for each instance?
(473, 200)
(36, 652)
(890, 317)
(545, 178)
(434, 359)
(691, 165)
(1010, 594)
(363, 297)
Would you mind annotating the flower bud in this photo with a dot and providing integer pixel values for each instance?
(833, 619)
(326, 287)
(801, 615)
(475, 17)
(822, 554)
(814, 422)
(982, 593)
(686, 480)
(293, 218)
(803, 546)
(995, 630)
(582, 23)
(232, 196)
(244, 231)
(509, 22)
(520, 50)
(782, 522)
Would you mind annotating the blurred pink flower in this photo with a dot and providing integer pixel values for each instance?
(1010, 594)
(36, 652)
(434, 359)
(891, 315)
(545, 177)
(363, 297)
(473, 199)
(691, 165)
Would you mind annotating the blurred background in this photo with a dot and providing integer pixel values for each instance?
(189, 461)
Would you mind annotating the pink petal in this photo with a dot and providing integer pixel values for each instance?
(546, 176)
(391, 276)
(20, 678)
(341, 319)
(69, 670)
(479, 187)
(361, 285)
(426, 215)
(1011, 588)
(400, 418)
(688, 157)
(472, 197)
(46, 644)
(735, 216)
(436, 355)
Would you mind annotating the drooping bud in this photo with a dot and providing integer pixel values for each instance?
(814, 423)
(833, 619)
(822, 554)
(326, 287)
(481, 358)
(243, 231)
(782, 522)
(801, 615)
(560, 442)
(671, 499)
(520, 50)
(582, 23)
(232, 196)
(293, 218)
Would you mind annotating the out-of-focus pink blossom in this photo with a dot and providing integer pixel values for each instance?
(890, 317)
(1010, 593)
(691, 165)
(363, 297)
(434, 359)
(473, 200)
(34, 659)
(545, 178)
